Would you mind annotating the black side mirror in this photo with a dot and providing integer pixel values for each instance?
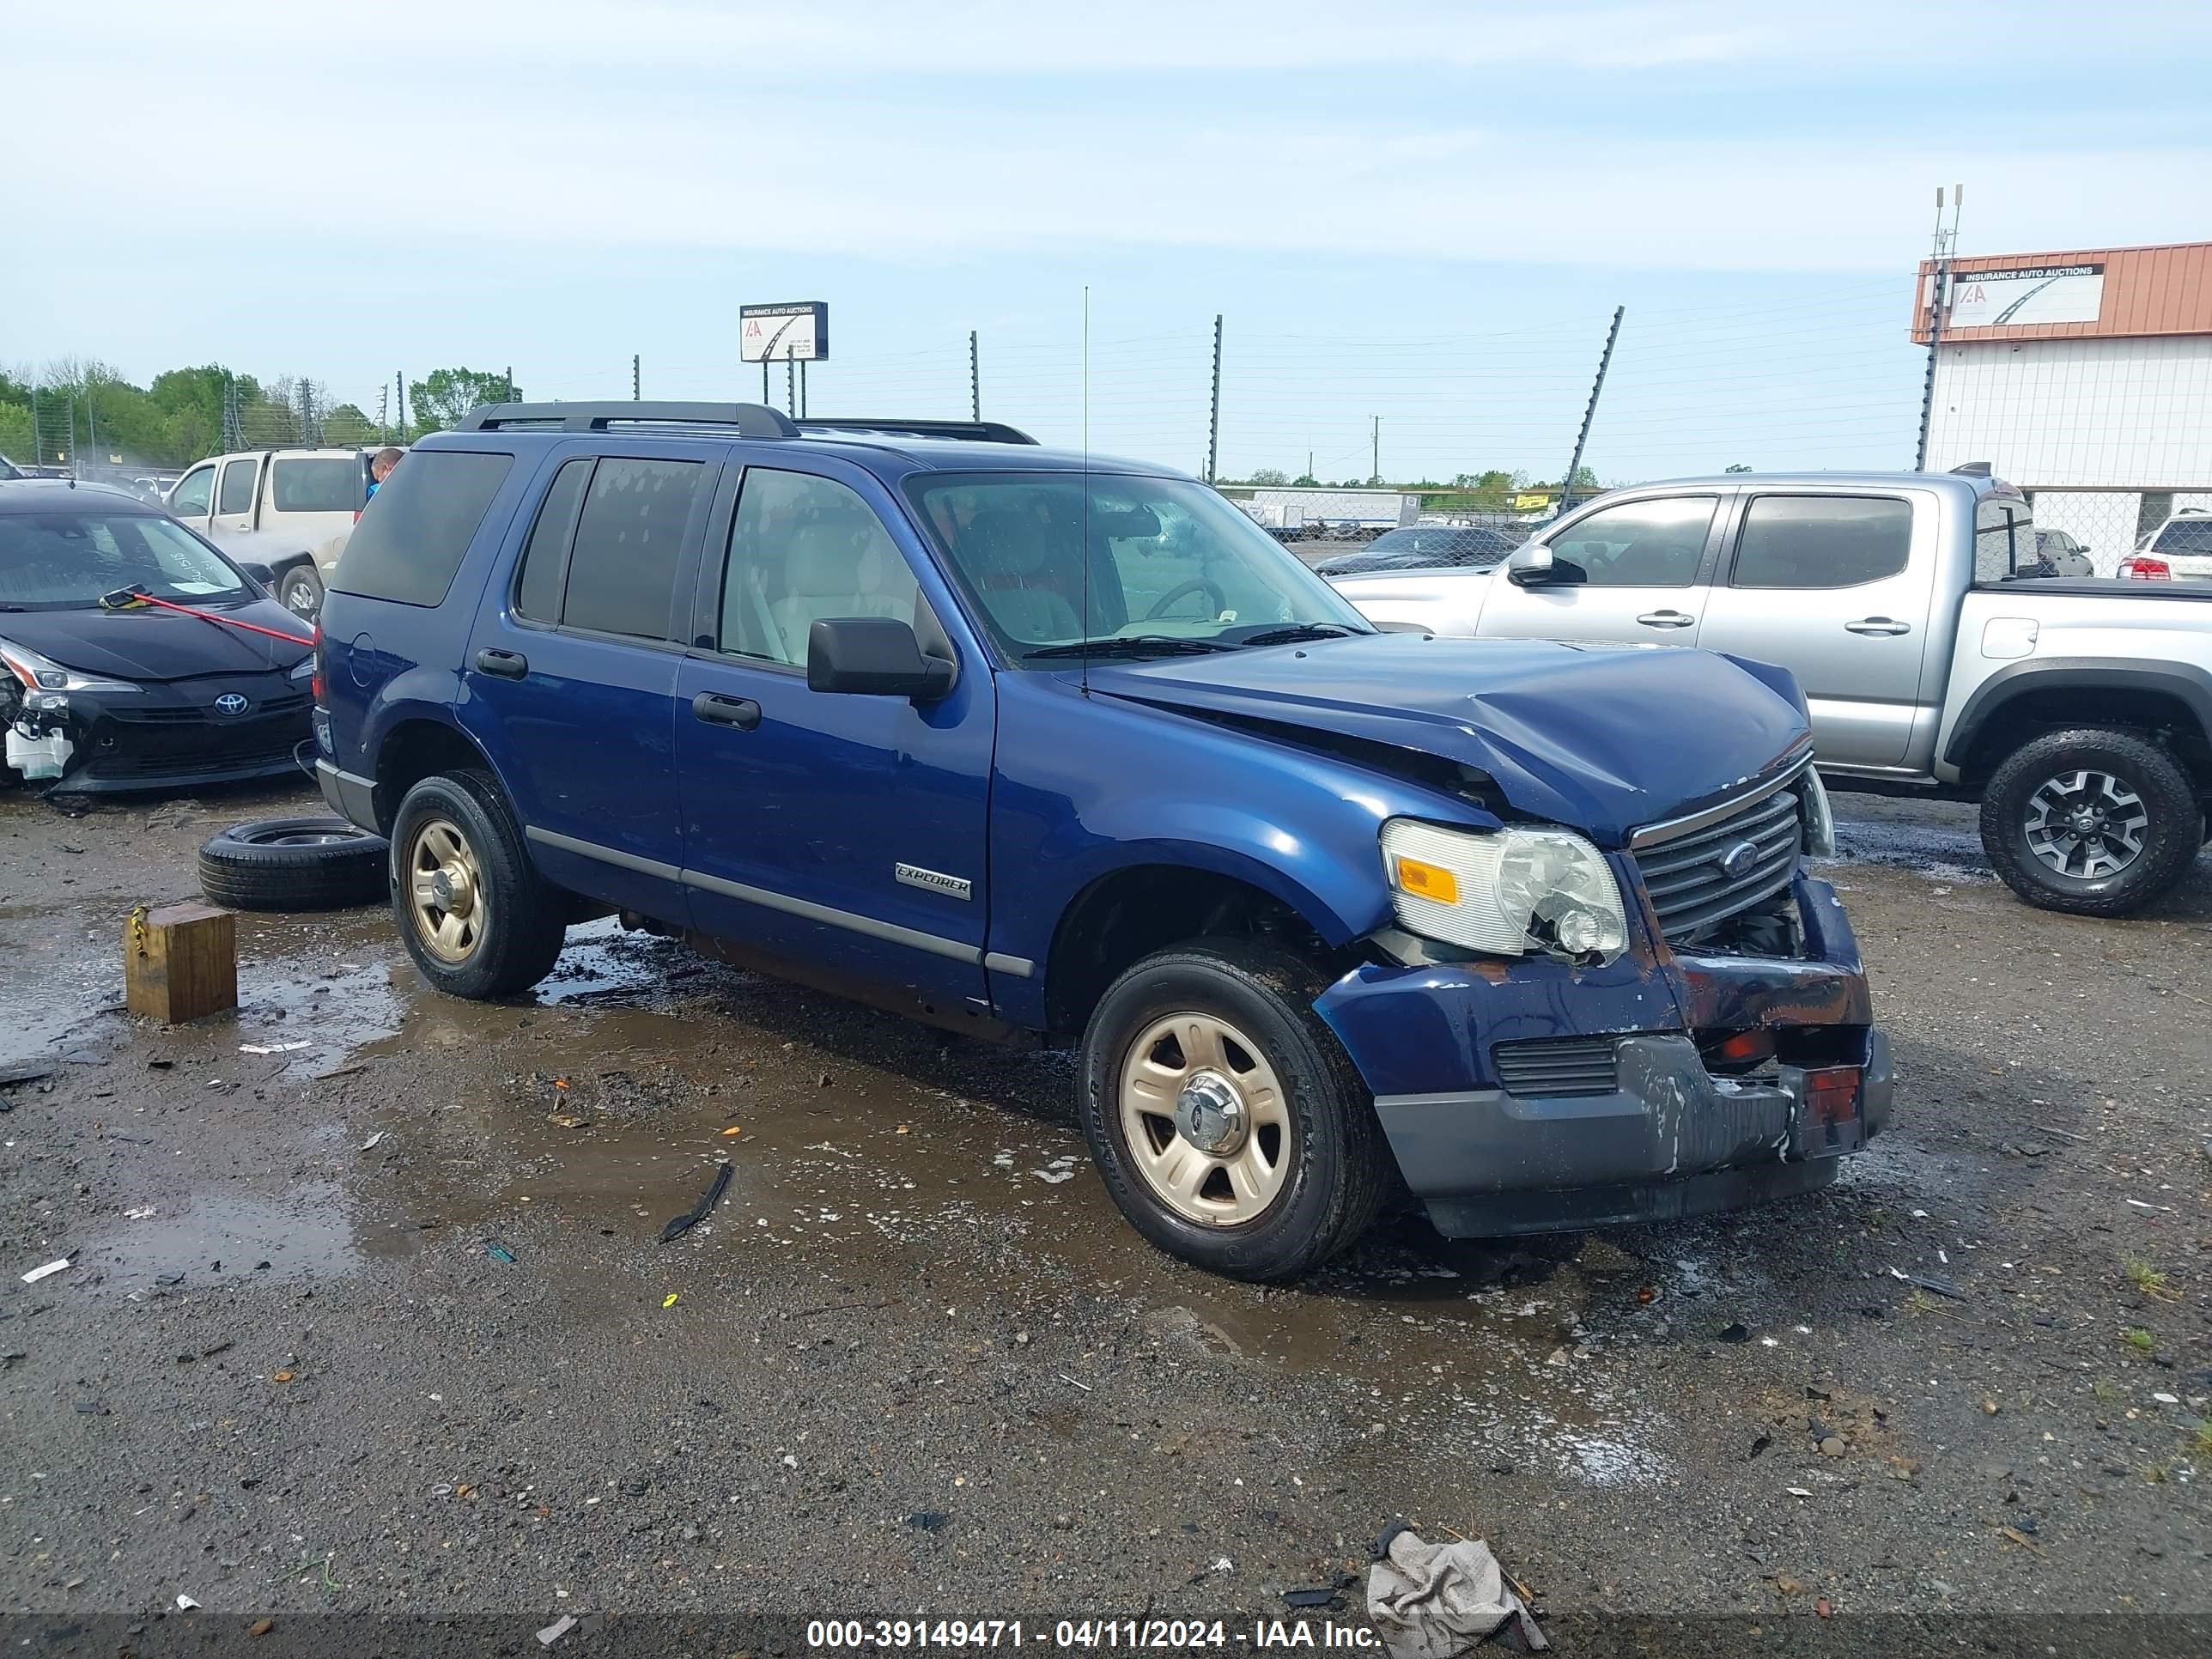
(873, 656)
(260, 573)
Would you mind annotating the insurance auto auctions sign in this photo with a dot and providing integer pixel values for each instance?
(776, 334)
(2015, 299)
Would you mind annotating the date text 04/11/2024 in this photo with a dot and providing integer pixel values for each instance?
(1151, 1634)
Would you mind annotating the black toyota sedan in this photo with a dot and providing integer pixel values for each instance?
(143, 697)
(1423, 547)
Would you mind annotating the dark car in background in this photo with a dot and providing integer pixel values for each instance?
(1424, 547)
(144, 698)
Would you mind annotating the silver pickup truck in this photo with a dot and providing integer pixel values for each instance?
(1938, 646)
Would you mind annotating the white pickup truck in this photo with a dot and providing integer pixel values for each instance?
(1937, 650)
(288, 511)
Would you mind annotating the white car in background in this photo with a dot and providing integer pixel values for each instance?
(291, 510)
(2180, 550)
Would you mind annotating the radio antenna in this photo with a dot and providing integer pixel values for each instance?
(1083, 551)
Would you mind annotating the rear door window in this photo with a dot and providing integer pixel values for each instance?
(1821, 541)
(629, 538)
(237, 492)
(545, 560)
(316, 484)
(804, 550)
(414, 535)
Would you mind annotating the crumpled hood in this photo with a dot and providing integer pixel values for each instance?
(152, 644)
(1601, 740)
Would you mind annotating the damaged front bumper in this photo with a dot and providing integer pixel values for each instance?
(1534, 1097)
(159, 735)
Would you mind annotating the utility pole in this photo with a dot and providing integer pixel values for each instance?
(91, 424)
(37, 443)
(975, 379)
(509, 396)
(1589, 413)
(399, 388)
(1375, 465)
(1213, 423)
(71, 457)
(635, 395)
(383, 413)
(1939, 301)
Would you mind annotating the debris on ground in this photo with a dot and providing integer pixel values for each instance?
(679, 1226)
(50, 1269)
(497, 1251)
(554, 1631)
(272, 1047)
(1435, 1601)
(369, 1145)
(669, 1301)
(567, 1121)
(24, 1070)
(261, 1627)
(186, 1604)
(929, 1520)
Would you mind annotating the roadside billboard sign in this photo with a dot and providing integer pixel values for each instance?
(796, 332)
(2016, 298)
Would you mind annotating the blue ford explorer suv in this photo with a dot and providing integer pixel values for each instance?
(1034, 745)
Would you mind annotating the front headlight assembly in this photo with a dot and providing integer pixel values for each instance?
(1506, 893)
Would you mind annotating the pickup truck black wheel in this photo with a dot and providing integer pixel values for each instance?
(477, 918)
(294, 864)
(2094, 821)
(1225, 1119)
(300, 591)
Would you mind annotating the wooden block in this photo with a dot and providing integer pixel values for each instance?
(180, 962)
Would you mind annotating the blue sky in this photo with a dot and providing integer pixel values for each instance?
(1424, 212)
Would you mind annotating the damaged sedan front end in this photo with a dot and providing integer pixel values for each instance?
(210, 687)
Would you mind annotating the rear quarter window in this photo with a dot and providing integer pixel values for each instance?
(318, 485)
(416, 531)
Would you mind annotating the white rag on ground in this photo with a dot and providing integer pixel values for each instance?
(1438, 1600)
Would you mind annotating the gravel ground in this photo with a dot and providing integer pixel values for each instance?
(914, 1361)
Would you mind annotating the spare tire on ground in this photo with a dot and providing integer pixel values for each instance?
(295, 864)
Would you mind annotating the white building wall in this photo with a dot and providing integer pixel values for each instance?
(2080, 411)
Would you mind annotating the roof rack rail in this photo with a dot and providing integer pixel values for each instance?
(751, 420)
(974, 432)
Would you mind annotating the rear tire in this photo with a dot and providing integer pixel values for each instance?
(300, 591)
(2137, 790)
(475, 915)
(1306, 1176)
(294, 864)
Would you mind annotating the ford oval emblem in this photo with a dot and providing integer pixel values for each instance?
(230, 703)
(1740, 860)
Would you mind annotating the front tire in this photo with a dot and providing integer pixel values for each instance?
(477, 917)
(1225, 1118)
(2092, 822)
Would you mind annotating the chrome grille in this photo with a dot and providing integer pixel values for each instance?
(1689, 887)
(1549, 1067)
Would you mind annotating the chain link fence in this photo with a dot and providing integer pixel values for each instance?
(2108, 524)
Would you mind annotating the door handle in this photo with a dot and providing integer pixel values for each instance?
(1878, 625)
(508, 665)
(740, 712)
(1666, 619)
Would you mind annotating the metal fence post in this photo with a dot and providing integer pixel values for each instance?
(975, 380)
(1589, 413)
(1213, 420)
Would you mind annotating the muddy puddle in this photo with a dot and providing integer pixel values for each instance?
(567, 1130)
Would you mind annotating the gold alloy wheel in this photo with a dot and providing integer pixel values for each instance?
(445, 891)
(1205, 1119)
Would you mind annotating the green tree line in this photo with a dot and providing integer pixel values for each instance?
(179, 417)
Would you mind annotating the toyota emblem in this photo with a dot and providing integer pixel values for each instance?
(1740, 860)
(230, 703)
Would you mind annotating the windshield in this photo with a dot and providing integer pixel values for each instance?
(66, 561)
(1169, 562)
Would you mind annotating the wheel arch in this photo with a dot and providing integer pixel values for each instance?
(2022, 701)
(1168, 895)
(416, 747)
